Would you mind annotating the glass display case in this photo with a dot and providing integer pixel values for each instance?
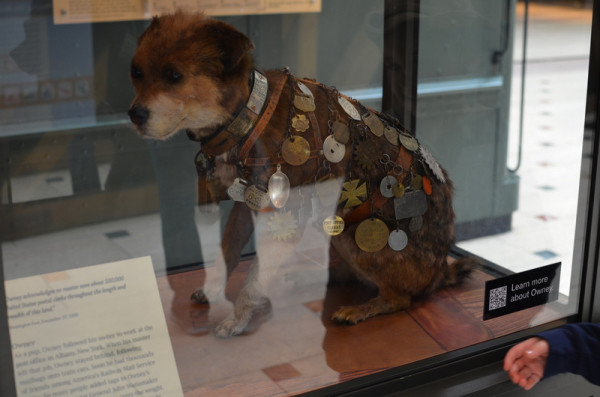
(130, 264)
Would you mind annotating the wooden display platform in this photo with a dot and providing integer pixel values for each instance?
(301, 349)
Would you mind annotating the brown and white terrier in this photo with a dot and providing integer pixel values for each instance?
(284, 147)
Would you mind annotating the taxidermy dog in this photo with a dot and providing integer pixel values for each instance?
(284, 147)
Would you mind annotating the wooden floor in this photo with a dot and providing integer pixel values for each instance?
(301, 349)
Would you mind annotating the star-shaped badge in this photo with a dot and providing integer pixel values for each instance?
(352, 192)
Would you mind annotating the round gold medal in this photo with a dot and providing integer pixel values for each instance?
(372, 235)
(333, 225)
(295, 150)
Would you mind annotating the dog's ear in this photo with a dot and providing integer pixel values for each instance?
(235, 46)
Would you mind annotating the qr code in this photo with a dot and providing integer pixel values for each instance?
(497, 298)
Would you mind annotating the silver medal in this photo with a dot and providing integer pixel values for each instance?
(386, 187)
(333, 150)
(398, 240)
(237, 189)
(349, 108)
(305, 89)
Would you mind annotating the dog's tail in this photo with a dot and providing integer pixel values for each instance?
(459, 270)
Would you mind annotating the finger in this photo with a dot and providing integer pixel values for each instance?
(539, 348)
(531, 381)
(517, 351)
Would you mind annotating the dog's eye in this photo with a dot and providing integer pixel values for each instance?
(136, 73)
(173, 76)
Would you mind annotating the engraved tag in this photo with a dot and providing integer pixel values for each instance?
(295, 150)
(398, 240)
(371, 235)
(333, 150)
(386, 187)
(415, 224)
(433, 165)
(374, 124)
(300, 123)
(304, 103)
(237, 189)
(256, 199)
(349, 108)
(341, 132)
(409, 142)
(305, 90)
(333, 225)
(410, 205)
(282, 225)
(391, 134)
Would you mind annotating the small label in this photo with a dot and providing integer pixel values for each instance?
(521, 291)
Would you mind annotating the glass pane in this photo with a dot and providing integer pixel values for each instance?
(258, 283)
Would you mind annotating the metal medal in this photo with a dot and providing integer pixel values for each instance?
(304, 103)
(300, 123)
(409, 142)
(237, 189)
(367, 154)
(279, 188)
(256, 198)
(341, 132)
(391, 134)
(398, 190)
(305, 90)
(374, 123)
(295, 150)
(333, 225)
(371, 235)
(349, 108)
(353, 192)
(386, 187)
(333, 150)
(398, 240)
(410, 205)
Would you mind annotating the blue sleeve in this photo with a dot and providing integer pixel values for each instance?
(574, 348)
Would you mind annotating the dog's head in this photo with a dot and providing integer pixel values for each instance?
(189, 72)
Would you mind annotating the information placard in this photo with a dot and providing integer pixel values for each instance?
(92, 331)
(521, 291)
(86, 11)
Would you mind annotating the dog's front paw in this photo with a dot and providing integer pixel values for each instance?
(350, 315)
(229, 327)
(198, 296)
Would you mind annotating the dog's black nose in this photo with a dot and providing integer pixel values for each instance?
(138, 114)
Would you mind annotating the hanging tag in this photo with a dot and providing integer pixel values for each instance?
(300, 123)
(433, 165)
(341, 133)
(256, 198)
(305, 90)
(398, 190)
(374, 123)
(304, 103)
(333, 150)
(386, 187)
(295, 150)
(409, 142)
(410, 205)
(398, 240)
(279, 188)
(349, 108)
(237, 189)
(352, 193)
(391, 134)
(333, 225)
(371, 235)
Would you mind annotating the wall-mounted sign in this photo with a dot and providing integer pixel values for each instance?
(521, 291)
(86, 11)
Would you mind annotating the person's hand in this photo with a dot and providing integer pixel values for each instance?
(525, 362)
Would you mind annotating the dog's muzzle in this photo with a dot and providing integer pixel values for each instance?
(138, 115)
